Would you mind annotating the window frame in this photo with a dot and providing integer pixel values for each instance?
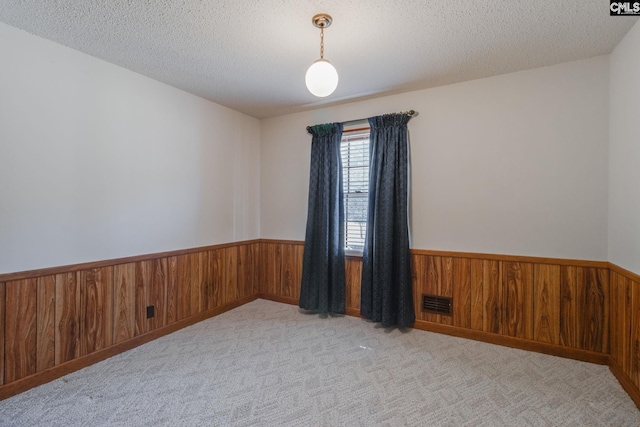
(351, 179)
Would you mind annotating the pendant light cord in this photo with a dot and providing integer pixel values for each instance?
(321, 42)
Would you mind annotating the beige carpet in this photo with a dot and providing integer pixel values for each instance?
(267, 364)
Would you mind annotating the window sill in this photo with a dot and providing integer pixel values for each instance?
(353, 253)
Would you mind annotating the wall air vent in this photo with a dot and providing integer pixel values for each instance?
(437, 304)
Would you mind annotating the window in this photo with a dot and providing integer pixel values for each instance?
(355, 179)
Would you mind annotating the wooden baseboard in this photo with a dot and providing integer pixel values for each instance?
(58, 371)
(519, 343)
(294, 301)
(284, 300)
(625, 381)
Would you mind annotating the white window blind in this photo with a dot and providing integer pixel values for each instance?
(355, 178)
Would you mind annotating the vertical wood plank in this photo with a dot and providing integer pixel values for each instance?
(270, 268)
(299, 256)
(434, 282)
(2, 329)
(627, 323)
(20, 329)
(461, 291)
(493, 300)
(199, 267)
(151, 285)
(593, 308)
(353, 277)
(546, 303)
(518, 282)
(446, 288)
(215, 287)
(68, 325)
(568, 307)
(172, 290)
(230, 274)
(184, 286)
(621, 321)
(124, 302)
(419, 282)
(603, 278)
(46, 318)
(613, 322)
(142, 273)
(634, 344)
(274, 269)
(292, 271)
(157, 293)
(96, 293)
(477, 291)
(248, 269)
(261, 286)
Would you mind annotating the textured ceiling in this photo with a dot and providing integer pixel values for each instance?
(251, 55)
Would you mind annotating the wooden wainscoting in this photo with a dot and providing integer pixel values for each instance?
(61, 319)
(625, 329)
(584, 310)
(549, 305)
(556, 308)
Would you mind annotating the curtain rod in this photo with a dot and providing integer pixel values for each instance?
(358, 121)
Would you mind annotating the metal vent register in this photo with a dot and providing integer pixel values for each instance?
(437, 304)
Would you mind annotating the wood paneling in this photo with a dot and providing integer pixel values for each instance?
(433, 283)
(546, 303)
(96, 301)
(418, 280)
(124, 302)
(51, 271)
(230, 275)
(518, 282)
(68, 323)
(292, 270)
(565, 307)
(621, 321)
(214, 290)
(634, 344)
(568, 307)
(151, 288)
(183, 263)
(477, 294)
(446, 287)
(270, 268)
(353, 277)
(461, 284)
(247, 269)
(20, 329)
(157, 293)
(593, 309)
(199, 274)
(46, 323)
(2, 330)
(58, 371)
(493, 299)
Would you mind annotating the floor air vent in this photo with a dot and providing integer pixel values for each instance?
(437, 304)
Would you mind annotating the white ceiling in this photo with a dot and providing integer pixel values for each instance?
(251, 55)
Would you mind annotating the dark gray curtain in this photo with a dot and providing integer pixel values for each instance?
(323, 275)
(386, 292)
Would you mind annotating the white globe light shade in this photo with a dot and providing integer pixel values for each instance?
(321, 78)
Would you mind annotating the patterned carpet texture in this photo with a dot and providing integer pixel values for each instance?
(267, 364)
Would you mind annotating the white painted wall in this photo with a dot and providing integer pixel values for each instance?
(514, 164)
(98, 162)
(624, 153)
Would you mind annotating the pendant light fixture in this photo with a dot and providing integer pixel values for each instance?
(321, 77)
